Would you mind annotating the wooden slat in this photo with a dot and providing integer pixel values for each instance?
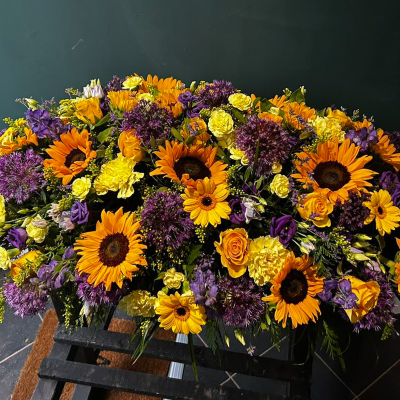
(140, 383)
(171, 351)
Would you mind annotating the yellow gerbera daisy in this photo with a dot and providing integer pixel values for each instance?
(387, 150)
(385, 214)
(71, 155)
(189, 164)
(293, 291)
(206, 204)
(334, 170)
(111, 252)
(180, 313)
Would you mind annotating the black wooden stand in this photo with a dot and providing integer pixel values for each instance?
(73, 359)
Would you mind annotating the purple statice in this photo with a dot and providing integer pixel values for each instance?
(238, 213)
(344, 296)
(97, 296)
(203, 284)
(364, 138)
(21, 174)
(114, 85)
(26, 301)
(239, 301)
(79, 213)
(352, 213)
(382, 313)
(164, 221)
(284, 227)
(273, 142)
(149, 121)
(17, 237)
(216, 94)
(44, 125)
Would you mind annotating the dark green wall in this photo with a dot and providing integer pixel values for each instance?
(345, 52)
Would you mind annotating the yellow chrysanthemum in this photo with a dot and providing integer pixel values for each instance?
(266, 258)
(118, 175)
(206, 204)
(294, 290)
(385, 214)
(139, 303)
(327, 129)
(173, 279)
(123, 100)
(180, 313)
(5, 261)
(112, 252)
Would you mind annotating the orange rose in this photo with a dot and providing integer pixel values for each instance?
(233, 247)
(315, 207)
(196, 124)
(129, 145)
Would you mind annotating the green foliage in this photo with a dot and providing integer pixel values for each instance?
(331, 343)
(214, 336)
(387, 331)
(324, 256)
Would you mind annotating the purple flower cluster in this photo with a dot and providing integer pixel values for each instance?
(21, 174)
(44, 125)
(273, 142)
(283, 227)
(365, 138)
(239, 301)
(97, 296)
(165, 222)
(352, 213)
(339, 293)
(216, 94)
(26, 301)
(382, 313)
(203, 284)
(17, 237)
(390, 181)
(190, 103)
(149, 121)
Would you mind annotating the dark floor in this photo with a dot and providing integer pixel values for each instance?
(368, 376)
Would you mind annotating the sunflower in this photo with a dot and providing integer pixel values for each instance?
(110, 253)
(71, 155)
(385, 214)
(206, 203)
(188, 164)
(293, 291)
(334, 170)
(387, 150)
(180, 313)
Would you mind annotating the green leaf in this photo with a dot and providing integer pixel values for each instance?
(297, 96)
(160, 276)
(194, 254)
(193, 357)
(321, 113)
(103, 120)
(177, 134)
(185, 286)
(102, 136)
(256, 100)
(189, 269)
(239, 336)
(331, 342)
(153, 142)
(259, 182)
(266, 105)
(247, 174)
(238, 115)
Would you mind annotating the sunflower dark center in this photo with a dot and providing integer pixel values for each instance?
(206, 201)
(331, 175)
(193, 167)
(181, 311)
(294, 287)
(113, 249)
(74, 156)
(380, 211)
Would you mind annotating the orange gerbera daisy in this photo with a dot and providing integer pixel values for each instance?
(334, 170)
(70, 155)
(188, 164)
(293, 291)
(111, 252)
(387, 150)
(206, 204)
(124, 100)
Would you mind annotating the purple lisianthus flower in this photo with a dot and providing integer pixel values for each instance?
(17, 237)
(44, 125)
(79, 213)
(388, 181)
(284, 227)
(195, 111)
(329, 286)
(65, 222)
(344, 296)
(250, 189)
(186, 98)
(237, 215)
(363, 138)
(396, 196)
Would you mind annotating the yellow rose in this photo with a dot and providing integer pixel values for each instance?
(139, 303)
(88, 110)
(315, 207)
(129, 145)
(267, 257)
(5, 262)
(37, 229)
(145, 96)
(276, 168)
(240, 101)
(233, 247)
(340, 116)
(2, 210)
(367, 294)
(280, 186)
(81, 187)
(173, 279)
(220, 123)
(132, 82)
